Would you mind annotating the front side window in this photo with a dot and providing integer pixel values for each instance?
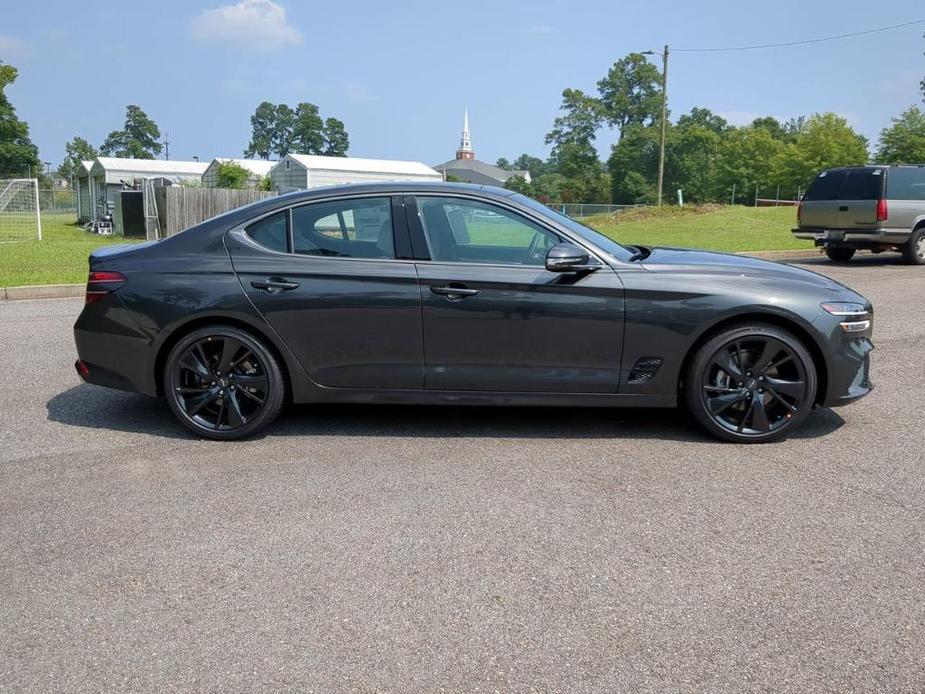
(464, 231)
(360, 228)
(270, 232)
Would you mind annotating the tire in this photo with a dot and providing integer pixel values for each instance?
(839, 254)
(914, 250)
(733, 398)
(229, 405)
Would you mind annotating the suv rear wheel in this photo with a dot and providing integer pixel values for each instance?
(914, 250)
(840, 254)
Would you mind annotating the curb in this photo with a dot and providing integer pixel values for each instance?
(42, 291)
(781, 255)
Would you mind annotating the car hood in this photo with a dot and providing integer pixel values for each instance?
(720, 265)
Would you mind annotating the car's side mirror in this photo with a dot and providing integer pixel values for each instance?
(565, 257)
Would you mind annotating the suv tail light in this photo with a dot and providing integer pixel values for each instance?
(101, 283)
(882, 211)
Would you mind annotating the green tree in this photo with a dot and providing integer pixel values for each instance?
(773, 126)
(336, 140)
(138, 139)
(745, 160)
(75, 152)
(630, 94)
(573, 153)
(633, 165)
(231, 175)
(821, 142)
(308, 130)
(691, 156)
(536, 166)
(519, 184)
(503, 163)
(283, 130)
(903, 142)
(18, 156)
(263, 123)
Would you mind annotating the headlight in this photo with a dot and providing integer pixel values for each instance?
(856, 317)
(845, 308)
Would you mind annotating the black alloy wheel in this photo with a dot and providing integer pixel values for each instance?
(222, 383)
(751, 384)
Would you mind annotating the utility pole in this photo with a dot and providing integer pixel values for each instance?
(166, 147)
(661, 147)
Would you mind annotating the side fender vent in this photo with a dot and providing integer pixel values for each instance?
(645, 369)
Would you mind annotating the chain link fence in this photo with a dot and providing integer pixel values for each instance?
(577, 210)
(58, 205)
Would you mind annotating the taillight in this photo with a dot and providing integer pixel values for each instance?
(100, 283)
(882, 211)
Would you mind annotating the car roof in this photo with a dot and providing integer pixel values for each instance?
(393, 187)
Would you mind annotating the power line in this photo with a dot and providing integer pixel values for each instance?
(799, 43)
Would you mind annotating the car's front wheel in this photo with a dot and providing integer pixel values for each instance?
(223, 383)
(751, 383)
(839, 254)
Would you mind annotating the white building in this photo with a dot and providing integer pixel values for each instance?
(108, 175)
(258, 168)
(82, 190)
(299, 171)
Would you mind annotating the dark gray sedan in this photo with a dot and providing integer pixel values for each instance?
(458, 294)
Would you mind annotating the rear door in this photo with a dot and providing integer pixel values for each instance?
(858, 198)
(820, 207)
(335, 279)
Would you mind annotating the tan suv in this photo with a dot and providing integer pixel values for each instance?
(873, 208)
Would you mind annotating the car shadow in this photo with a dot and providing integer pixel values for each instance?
(99, 408)
(859, 260)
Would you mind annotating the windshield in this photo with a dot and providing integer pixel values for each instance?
(605, 243)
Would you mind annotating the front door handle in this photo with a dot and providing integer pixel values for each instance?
(843, 208)
(274, 285)
(454, 293)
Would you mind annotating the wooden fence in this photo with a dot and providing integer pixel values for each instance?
(179, 208)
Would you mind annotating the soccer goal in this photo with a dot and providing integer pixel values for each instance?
(20, 219)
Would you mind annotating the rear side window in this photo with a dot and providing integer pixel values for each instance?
(906, 184)
(826, 185)
(862, 184)
(359, 228)
(846, 184)
(270, 232)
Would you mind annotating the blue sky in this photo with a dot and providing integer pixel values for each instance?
(399, 74)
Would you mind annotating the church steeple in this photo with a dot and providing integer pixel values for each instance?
(465, 143)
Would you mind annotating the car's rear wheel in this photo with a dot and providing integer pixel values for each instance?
(840, 254)
(751, 383)
(223, 383)
(914, 250)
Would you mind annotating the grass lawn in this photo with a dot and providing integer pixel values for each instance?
(59, 258)
(713, 227)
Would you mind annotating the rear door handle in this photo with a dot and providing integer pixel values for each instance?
(274, 285)
(843, 208)
(454, 293)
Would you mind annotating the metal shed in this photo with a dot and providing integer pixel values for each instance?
(109, 174)
(299, 171)
(82, 189)
(259, 169)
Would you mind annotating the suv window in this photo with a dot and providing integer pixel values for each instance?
(360, 228)
(475, 232)
(270, 232)
(906, 184)
(862, 184)
(826, 185)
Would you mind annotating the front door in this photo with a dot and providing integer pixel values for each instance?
(328, 278)
(495, 319)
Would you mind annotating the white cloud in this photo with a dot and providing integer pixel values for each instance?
(12, 48)
(261, 23)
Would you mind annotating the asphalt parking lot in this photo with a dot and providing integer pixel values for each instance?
(427, 549)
